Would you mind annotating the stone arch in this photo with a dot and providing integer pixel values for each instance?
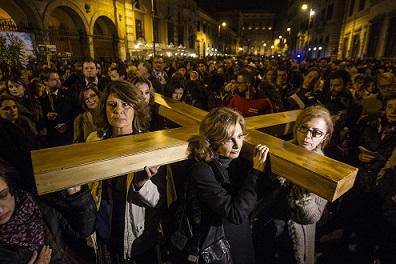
(66, 28)
(105, 37)
(23, 14)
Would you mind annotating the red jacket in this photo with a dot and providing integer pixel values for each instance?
(250, 107)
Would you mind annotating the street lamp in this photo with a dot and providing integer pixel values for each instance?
(304, 7)
(223, 24)
(288, 29)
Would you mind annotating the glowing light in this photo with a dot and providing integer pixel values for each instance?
(298, 56)
(314, 48)
(309, 49)
(304, 7)
(320, 48)
(224, 24)
(288, 29)
(280, 37)
(311, 13)
(272, 47)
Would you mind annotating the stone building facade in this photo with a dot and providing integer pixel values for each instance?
(314, 32)
(369, 30)
(104, 28)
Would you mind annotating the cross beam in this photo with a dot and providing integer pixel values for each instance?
(62, 167)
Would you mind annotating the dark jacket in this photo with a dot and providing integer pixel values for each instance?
(228, 202)
(61, 230)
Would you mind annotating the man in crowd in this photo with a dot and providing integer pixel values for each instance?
(58, 110)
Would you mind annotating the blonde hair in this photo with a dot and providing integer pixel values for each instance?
(218, 126)
(316, 111)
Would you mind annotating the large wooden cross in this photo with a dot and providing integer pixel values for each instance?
(62, 167)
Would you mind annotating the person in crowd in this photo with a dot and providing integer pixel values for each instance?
(386, 189)
(158, 77)
(18, 135)
(285, 230)
(196, 92)
(128, 206)
(386, 84)
(224, 189)
(17, 89)
(305, 95)
(143, 70)
(370, 100)
(117, 71)
(33, 232)
(243, 101)
(175, 90)
(146, 88)
(37, 89)
(86, 123)
(281, 91)
(58, 109)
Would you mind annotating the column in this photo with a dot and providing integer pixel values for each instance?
(383, 36)
(91, 46)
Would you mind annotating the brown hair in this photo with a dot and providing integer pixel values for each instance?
(90, 86)
(131, 95)
(141, 80)
(316, 111)
(215, 129)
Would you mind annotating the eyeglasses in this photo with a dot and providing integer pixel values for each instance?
(316, 133)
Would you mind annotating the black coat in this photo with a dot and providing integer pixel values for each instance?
(228, 202)
(61, 230)
(62, 105)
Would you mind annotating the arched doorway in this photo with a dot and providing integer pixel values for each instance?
(66, 30)
(105, 39)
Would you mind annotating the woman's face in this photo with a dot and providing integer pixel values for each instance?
(7, 203)
(9, 110)
(178, 94)
(119, 114)
(91, 99)
(390, 111)
(16, 89)
(269, 76)
(311, 133)
(309, 78)
(145, 90)
(232, 146)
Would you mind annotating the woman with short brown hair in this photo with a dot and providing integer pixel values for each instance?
(224, 186)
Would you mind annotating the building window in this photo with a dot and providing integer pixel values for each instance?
(204, 28)
(374, 37)
(198, 26)
(139, 28)
(351, 7)
(390, 48)
(136, 3)
(330, 12)
(171, 33)
(362, 4)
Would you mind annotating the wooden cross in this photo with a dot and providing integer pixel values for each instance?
(63, 167)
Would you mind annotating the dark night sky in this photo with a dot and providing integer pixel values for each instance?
(221, 5)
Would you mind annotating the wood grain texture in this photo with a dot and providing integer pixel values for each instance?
(63, 167)
(270, 120)
(183, 109)
(319, 174)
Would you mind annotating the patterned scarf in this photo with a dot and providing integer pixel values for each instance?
(25, 228)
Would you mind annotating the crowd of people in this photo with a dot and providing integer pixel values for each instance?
(216, 207)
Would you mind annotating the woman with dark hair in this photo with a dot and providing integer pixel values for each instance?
(285, 231)
(33, 232)
(86, 123)
(17, 89)
(128, 205)
(225, 190)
